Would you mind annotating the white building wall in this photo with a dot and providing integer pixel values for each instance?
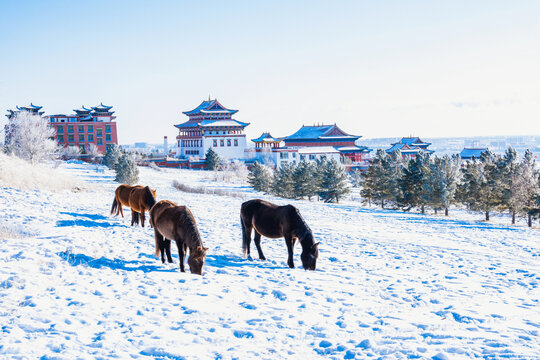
(225, 151)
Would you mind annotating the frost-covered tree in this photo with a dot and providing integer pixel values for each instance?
(412, 183)
(393, 173)
(527, 188)
(212, 159)
(481, 188)
(441, 185)
(260, 177)
(111, 156)
(374, 178)
(93, 152)
(30, 138)
(335, 182)
(70, 152)
(283, 181)
(127, 171)
(304, 180)
(509, 179)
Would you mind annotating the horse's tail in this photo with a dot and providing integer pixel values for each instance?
(244, 236)
(158, 248)
(114, 207)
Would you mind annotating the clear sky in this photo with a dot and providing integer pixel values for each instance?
(376, 68)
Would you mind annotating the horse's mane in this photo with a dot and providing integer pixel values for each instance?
(149, 198)
(303, 230)
(191, 226)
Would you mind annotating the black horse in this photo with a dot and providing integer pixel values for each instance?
(275, 221)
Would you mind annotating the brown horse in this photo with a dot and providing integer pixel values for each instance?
(173, 222)
(139, 198)
(275, 221)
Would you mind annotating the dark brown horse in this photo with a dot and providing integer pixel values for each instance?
(275, 221)
(173, 222)
(139, 198)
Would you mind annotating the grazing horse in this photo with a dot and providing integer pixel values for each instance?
(275, 221)
(139, 198)
(173, 222)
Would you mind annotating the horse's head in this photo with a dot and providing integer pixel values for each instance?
(196, 260)
(309, 256)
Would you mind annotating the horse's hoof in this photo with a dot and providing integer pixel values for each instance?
(250, 258)
(262, 258)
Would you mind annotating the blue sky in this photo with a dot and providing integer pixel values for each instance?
(377, 69)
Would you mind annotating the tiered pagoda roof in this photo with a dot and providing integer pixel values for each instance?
(409, 145)
(211, 114)
(210, 107)
(266, 138)
(102, 109)
(34, 109)
(321, 132)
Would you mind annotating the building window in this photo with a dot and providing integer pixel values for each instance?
(228, 142)
(108, 128)
(81, 128)
(302, 157)
(100, 141)
(60, 138)
(311, 157)
(90, 128)
(235, 142)
(283, 155)
(215, 143)
(294, 155)
(81, 147)
(99, 131)
(71, 138)
(108, 137)
(70, 128)
(221, 143)
(81, 138)
(91, 137)
(60, 130)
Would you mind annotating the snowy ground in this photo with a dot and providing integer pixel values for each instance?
(78, 283)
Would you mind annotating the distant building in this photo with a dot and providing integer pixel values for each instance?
(87, 126)
(211, 125)
(410, 146)
(470, 153)
(308, 144)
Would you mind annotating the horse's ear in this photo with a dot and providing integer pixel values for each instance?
(316, 244)
(205, 249)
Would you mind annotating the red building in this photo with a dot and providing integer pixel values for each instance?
(87, 126)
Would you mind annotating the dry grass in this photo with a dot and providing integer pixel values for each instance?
(203, 190)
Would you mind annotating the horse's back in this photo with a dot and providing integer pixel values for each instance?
(169, 218)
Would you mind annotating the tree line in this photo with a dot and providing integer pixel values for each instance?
(491, 183)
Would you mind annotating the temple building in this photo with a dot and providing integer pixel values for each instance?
(211, 125)
(310, 143)
(87, 126)
(410, 146)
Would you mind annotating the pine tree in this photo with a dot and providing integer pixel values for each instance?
(412, 183)
(126, 170)
(283, 182)
(212, 159)
(528, 188)
(304, 180)
(393, 173)
(259, 177)
(335, 182)
(111, 156)
(375, 179)
(509, 180)
(441, 185)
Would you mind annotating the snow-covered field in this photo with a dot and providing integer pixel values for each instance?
(78, 283)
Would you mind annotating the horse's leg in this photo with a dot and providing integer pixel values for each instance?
(290, 245)
(142, 217)
(162, 249)
(257, 240)
(168, 250)
(181, 254)
(134, 217)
